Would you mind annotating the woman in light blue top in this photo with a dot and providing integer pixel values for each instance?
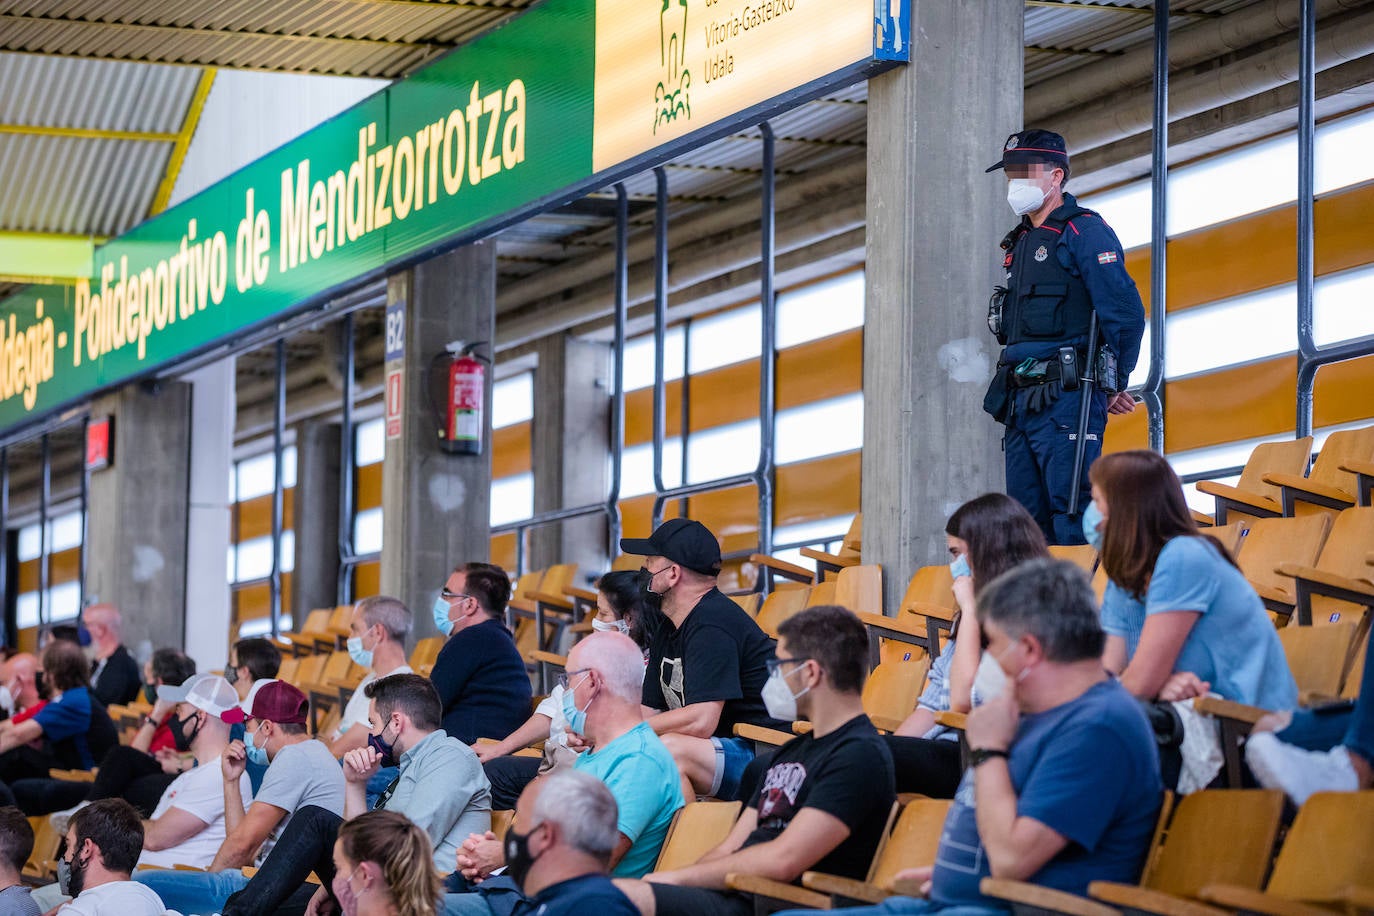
(1180, 617)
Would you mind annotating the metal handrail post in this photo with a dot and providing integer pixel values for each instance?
(348, 354)
(622, 306)
(767, 356)
(1307, 347)
(660, 326)
(278, 490)
(1153, 392)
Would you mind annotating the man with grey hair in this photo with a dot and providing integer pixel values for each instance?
(1063, 783)
(377, 641)
(602, 685)
(114, 673)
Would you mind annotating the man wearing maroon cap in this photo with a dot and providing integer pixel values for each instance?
(1070, 319)
(300, 772)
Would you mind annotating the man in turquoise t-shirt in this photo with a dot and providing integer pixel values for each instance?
(603, 684)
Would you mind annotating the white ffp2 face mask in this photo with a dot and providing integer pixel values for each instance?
(1024, 195)
(989, 681)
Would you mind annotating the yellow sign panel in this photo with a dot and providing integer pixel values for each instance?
(667, 68)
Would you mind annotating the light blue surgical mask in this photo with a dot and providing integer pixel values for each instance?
(1092, 517)
(576, 718)
(257, 755)
(960, 567)
(441, 612)
(358, 653)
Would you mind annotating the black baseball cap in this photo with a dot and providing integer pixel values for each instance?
(685, 542)
(1030, 146)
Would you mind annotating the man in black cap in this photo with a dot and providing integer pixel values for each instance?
(707, 664)
(1069, 312)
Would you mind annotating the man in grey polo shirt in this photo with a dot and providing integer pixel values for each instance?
(441, 787)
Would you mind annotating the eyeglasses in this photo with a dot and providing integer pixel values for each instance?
(776, 663)
(452, 596)
(563, 678)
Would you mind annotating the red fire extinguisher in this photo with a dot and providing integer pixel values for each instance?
(462, 416)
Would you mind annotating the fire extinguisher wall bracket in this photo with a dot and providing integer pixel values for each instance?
(460, 417)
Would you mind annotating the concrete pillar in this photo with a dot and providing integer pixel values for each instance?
(139, 512)
(436, 506)
(315, 518)
(210, 529)
(934, 220)
(570, 449)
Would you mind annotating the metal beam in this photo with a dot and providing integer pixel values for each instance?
(183, 141)
(32, 257)
(1109, 8)
(85, 133)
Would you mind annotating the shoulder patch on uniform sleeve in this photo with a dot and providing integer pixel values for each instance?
(1106, 257)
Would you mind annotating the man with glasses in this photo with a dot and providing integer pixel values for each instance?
(707, 663)
(601, 695)
(479, 674)
(824, 801)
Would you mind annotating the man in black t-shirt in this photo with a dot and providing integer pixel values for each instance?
(823, 803)
(707, 663)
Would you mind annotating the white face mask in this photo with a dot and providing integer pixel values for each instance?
(1024, 195)
(6, 699)
(610, 626)
(990, 680)
(779, 699)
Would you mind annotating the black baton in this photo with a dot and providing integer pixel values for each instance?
(1085, 403)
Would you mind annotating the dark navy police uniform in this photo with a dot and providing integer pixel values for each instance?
(1057, 274)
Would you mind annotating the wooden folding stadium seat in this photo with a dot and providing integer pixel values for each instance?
(851, 549)
(1268, 542)
(1251, 496)
(540, 613)
(1231, 535)
(1318, 658)
(1327, 862)
(781, 604)
(1364, 480)
(303, 641)
(1334, 488)
(287, 671)
(426, 652)
(627, 562)
(1340, 585)
(1084, 556)
(41, 867)
(749, 603)
(821, 593)
(697, 828)
(309, 671)
(927, 610)
(339, 671)
(912, 841)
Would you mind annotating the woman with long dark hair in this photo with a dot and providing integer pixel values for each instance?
(1180, 617)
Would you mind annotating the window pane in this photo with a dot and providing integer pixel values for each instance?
(822, 428)
(512, 400)
(637, 468)
(639, 358)
(821, 309)
(254, 559)
(1341, 306)
(724, 339)
(1251, 179)
(1234, 331)
(254, 475)
(64, 601)
(29, 543)
(808, 534)
(723, 452)
(1343, 152)
(370, 439)
(1127, 210)
(367, 531)
(65, 532)
(26, 610)
(1201, 501)
(512, 499)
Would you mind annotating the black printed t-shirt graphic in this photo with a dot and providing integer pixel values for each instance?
(847, 774)
(719, 653)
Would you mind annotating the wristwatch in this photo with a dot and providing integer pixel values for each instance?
(149, 720)
(983, 754)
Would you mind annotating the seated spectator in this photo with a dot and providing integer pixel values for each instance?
(559, 849)
(16, 845)
(986, 537)
(114, 673)
(252, 663)
(823, 803)
(103, 843)
(72, 731)
(440, 788)
(707, 663)
(1063, 783)
(1180, 617)
(379, 627)
(140, 772)
(300, 772)
(601, 702)
(19, 696)
(621, 606)
(479, 673)
(382, 867)
(1326, 750)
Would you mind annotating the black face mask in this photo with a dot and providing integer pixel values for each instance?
(39, 685)
(179, 736)
(231, 674)
(518, 858)
(150, 693)
(71, 876)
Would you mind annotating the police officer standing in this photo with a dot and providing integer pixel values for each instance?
(1070, 320)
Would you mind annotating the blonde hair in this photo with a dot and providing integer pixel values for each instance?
(403, 850)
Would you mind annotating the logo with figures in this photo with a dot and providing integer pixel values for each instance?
(671, 98)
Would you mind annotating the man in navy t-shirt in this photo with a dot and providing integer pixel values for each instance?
(480, 677)
(1063, 784)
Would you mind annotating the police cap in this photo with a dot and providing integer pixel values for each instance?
(1028, 146)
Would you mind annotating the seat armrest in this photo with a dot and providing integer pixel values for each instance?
(783, 568)
(558, 602)
(1330, 579)
(847, 888)
(896, 627)
(1244, 898)
(926, 609)
(776, 890)
(762, 735)
(886, 723)
(539, 655)
(1138, 899)
(1228, 709)
(951, 719)
(1306, 486)
(580, 594)
(1238, 496)
(831, 560)
(1042, 898)
(1202, 518)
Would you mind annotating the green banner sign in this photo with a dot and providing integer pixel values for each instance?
(534, 108)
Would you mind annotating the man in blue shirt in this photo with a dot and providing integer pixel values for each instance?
(1064, 265)
(480, 676)
(1063, 784)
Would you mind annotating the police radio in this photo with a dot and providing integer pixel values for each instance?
(460, 417)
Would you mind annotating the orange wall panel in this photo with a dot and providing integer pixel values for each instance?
(510, 450)
(253, 517)
(1243, 402)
